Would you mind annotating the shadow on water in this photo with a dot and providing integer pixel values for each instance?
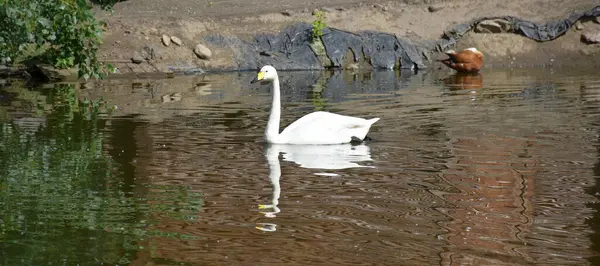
(463, 170)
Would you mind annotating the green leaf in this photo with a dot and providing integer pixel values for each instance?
(44, 21)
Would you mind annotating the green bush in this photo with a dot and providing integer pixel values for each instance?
(63, 33)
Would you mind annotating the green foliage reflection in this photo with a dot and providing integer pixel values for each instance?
(62, 200)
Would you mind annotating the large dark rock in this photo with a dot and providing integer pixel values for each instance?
(291, 48)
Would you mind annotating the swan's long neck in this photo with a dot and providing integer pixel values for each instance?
(272, 130)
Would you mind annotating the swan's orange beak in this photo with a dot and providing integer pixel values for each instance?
(260, 76)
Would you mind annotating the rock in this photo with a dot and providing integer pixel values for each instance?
(597, 20)
(148, 53)
(166, 98)
(203, 52)
(385, 8)
(137, 58)
(340, 9)
(377, 6)
(327, 9)
(591, 37)
(176, 40)
(287, 13)
(488, 26)
(578, 25)
(434, 8)
(153, 30)
(166, 40)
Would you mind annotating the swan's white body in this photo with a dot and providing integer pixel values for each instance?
(314, 128)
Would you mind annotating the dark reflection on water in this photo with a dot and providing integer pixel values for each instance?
(497, 168)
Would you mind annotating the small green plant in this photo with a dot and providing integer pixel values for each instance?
(318, 25)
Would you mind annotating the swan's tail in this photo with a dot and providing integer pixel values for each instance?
(373, 120)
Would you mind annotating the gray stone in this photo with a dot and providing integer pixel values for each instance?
(148, 52)
(166, 40)
(203, 52)
(591, 37)
(327, 9)
(287, 13)
(385, 8)
(578, 25)
(434, 8)
(176, 40)
(137, 58)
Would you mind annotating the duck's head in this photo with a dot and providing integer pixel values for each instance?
(266, 73)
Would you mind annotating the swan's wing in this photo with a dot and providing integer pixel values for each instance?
(327, 126)
(323, 121)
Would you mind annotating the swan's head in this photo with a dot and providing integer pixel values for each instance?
(266, 73)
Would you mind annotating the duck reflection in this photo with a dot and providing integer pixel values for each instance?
(326, 157)
(464, 81)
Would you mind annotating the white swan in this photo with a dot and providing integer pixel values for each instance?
(314, 128)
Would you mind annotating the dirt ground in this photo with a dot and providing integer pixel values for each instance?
(138, 23)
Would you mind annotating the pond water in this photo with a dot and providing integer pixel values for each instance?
(499, 168)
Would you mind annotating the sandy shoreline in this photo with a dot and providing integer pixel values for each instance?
(133, 39)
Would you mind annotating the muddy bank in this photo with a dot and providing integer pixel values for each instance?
(196, 36)
(410, 34)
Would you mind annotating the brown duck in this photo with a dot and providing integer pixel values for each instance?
(469, 60)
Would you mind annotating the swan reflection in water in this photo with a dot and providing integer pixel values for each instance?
(326, 157)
